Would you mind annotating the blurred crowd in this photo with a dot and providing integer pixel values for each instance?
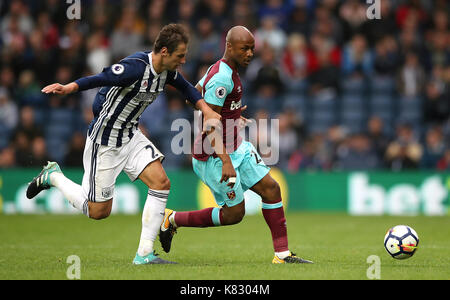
(350, 93)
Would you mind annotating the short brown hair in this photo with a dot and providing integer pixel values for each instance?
(170, 37)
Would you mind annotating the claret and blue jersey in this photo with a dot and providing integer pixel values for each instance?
(221, 86)
(128, 87)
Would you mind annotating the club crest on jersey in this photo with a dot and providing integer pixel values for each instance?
(221, 92)
(231, 195)
(117, 69)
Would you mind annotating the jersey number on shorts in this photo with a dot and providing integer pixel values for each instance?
(258, 160)
(151, 148)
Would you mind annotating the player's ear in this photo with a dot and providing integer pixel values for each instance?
(229, 46)
(164, 51)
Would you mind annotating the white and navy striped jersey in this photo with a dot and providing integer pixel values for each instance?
(127, 89)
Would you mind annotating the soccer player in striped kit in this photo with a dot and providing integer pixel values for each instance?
(231, 166)
(115, 144)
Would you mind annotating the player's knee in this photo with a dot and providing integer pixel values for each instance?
(272, 191)
(238, 217)
(99, 212)
(162, 183)
(99, 215)
(234, 217)
(165, 184)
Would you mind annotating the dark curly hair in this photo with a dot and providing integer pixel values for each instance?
(170, 37)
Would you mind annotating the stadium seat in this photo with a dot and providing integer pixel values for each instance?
(56, 148)
(297, 103)
(353, 103)
(4, 136)
(61, 115)
(63, 132)
(353, 112)
(323, 113)
(60, 124)
(316, 127)
(383, 105)
(355, 121)
(382, 85)
(410, 109)
(40, 116)
(58, 132)
(353, 85)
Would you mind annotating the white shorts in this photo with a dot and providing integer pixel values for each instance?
(102, 165)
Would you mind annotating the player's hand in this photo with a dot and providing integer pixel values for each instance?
(59, 89)
(211, 120)
(211, 114)
(243, 121)
(228, 174)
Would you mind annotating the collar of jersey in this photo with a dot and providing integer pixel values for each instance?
(150, 59)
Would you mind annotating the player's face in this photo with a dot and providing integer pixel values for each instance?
(175, 59)
(243, 52)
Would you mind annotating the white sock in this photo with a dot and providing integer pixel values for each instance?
(152, 217)
(283, 255)
(72, 191)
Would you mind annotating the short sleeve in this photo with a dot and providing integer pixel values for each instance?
(217, 89)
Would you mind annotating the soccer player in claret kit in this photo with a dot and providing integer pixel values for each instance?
(115, 144)
(233, 165)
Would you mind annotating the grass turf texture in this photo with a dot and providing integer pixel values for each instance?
(37, 247)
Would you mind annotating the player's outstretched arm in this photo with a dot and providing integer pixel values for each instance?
(60, 89)
(122, 74)
(208, 113)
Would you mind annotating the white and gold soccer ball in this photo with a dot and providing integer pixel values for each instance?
(401, 241)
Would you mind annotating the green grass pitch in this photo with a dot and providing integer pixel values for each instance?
(37, 247)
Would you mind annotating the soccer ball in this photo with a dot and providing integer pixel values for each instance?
(401, 241)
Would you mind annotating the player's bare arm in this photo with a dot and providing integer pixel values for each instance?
(215, 135)
(208, 113)
(60, 89)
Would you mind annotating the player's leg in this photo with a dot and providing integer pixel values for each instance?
(52, 176)
(273, 212)
(158, 185)
(209, 217)
(255, 176)
(231, 208)
(144, 163)
(230, 200)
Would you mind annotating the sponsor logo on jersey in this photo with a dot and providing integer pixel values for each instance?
(235, 105)
(144, 96)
